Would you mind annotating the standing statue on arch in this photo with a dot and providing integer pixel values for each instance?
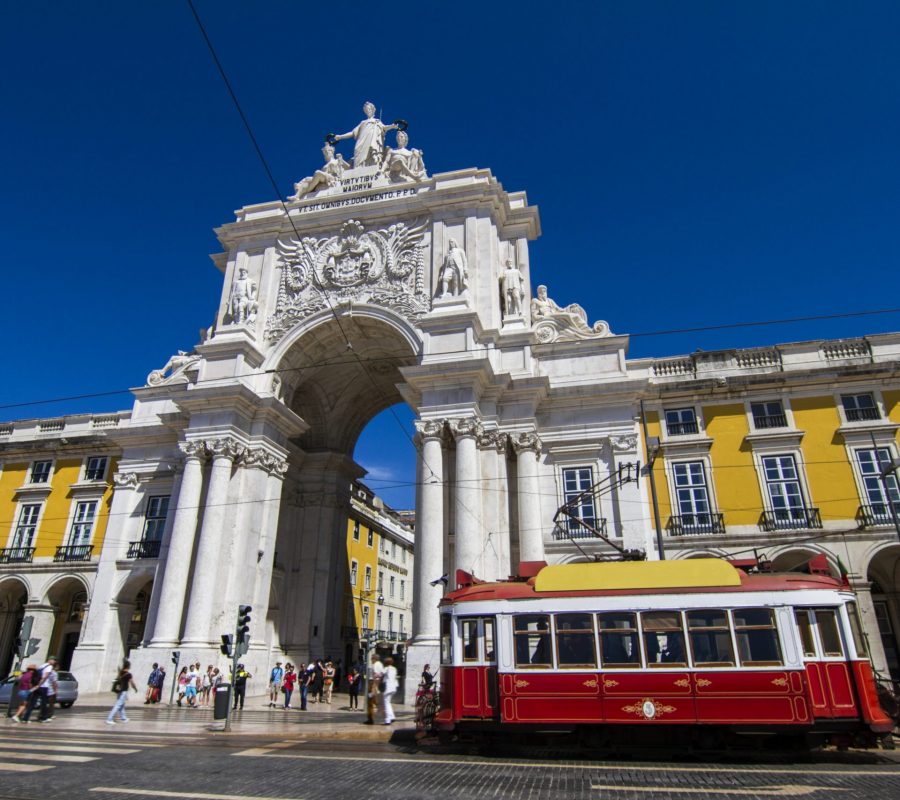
(454, 275)
(369, 134)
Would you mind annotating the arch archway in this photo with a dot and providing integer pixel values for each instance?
(337, 389)
(68, 597)
(884, 574)
(13, 596)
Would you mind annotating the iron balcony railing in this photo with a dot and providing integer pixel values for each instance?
(16, 555)
(372, 634)
(860, 414)
(696, 524)
(681, 428)
(144, 549)
(74, 552)
(877, 514)
(571, 529)
(761, 421)
(790, 519)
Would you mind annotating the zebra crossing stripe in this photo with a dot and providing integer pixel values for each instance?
(36, 756)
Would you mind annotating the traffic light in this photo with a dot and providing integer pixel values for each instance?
(242, 632)
(227, 642)
(176, 656)
(31, 647)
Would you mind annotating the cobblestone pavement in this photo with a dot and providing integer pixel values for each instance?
(167, 756)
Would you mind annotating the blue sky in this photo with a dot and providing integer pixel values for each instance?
(695, 163)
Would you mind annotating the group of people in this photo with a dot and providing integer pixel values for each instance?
(196, 685)
(315, 681)
(37, 687)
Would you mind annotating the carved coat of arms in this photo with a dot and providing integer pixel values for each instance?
(384, 266)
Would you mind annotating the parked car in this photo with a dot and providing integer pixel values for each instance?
(67, 692)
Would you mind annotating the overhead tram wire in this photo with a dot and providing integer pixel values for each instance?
(287, 214)
(377, 359)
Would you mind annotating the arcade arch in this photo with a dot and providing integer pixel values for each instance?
(884, 575)
(13, 596)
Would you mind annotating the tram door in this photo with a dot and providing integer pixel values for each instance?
(478, 673)
(825, 659)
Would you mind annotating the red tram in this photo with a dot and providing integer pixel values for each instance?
(609, 649)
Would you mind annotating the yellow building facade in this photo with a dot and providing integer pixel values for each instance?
(783, 454)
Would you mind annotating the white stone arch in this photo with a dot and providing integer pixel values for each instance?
(55, 580)
(7, 582)
(873, 552)
(701, 552)
(131, 583)
(789, 557)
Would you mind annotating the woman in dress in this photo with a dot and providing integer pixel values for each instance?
(391, 684)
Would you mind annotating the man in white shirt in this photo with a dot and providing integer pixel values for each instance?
(44, 693)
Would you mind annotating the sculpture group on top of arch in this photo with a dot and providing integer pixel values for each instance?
(372, 158)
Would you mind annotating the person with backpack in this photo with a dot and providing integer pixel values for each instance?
(43, 692)
(120, 687)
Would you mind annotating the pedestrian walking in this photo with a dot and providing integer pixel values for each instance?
(391, 684)
(44, 692)
(276, 678)
(354, 679)
(290, 679)
(120, 686)
(375, 673)
(318, 682)
(159, 688)
(305, 680)
(28, 682)
(190, 686)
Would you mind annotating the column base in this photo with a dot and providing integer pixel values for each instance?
(418, 654)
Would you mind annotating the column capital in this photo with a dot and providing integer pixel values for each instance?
(525, 441)
(225, 447)
(430, 428)
(467, 427)
(493, 440)
(195, 448)
(276, 467)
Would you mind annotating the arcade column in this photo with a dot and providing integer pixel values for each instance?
(527, 447)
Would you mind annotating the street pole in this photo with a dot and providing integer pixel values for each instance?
(660, 548)
(174, 676)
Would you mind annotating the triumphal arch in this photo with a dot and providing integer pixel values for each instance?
(375, 282)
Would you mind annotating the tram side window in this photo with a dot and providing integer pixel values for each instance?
(663, 639)
(446, 653)
(826, 622)
(619, 640)
(532, 633)
(489, 639)
(804, 623)
(575, 640)
(859, 640)
(710, 636)
(757, 637)
(470, 639)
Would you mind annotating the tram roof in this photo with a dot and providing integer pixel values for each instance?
(640, 577)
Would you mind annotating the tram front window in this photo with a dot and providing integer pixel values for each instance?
(470, 639)
(663, 639)
(532, 632)
(446, 654)
(619, 640)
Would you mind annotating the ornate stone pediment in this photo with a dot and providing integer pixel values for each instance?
(385, 266)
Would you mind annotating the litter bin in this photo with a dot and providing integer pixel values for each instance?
(223, 700)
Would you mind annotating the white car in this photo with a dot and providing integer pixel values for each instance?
(67, 692)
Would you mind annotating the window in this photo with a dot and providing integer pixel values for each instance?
(354, 571)
(757, 638)
(663, 639)
(577, 482)
(859, 639)
(575, 640)
(532, 637)
(710, 637)
(26, 527)
(402, 626)
(783, 488)
(807, 638)
(393, 584)
(83, 523)
(155, 518)
(826, 622)
(368, 584)
(681, 421)
(378, 619)
(870, 464)
(489, 639)
(380, 581)
(370, 540)
(365, 617)
(390, 621)
(95, 469)
(403, 553)
(619, 639)
(691, 494)
(768, 415)
(470, 639)
(40, 472)
(446, 653)
(356, 530)
(394, 550)
(859, 407)
(402, 589)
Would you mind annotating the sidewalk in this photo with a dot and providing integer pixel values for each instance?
(255, 719)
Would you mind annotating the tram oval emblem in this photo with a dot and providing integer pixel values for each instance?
(649, 709)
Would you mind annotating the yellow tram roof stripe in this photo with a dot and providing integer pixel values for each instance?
(690, 573)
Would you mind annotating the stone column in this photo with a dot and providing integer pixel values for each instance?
(205, 589)
(531, 527)
(429, 556)
(495, 520)
(869, 623)
(181, 546)
(467, 555)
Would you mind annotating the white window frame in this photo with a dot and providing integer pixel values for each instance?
(30, 475)
(876, 400)
(354, 571)
(799, 467)
(664, 422)
(367, 581)
(571, 525)
(148, 519)
(378, 620)
(356, 530)
(390, 626)
(785, 408)
(402, 589)
(861, 477)
(17, 522)
(706, 464)
(392, 583)
(74, 522)
(86, 467)
(366, 615)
